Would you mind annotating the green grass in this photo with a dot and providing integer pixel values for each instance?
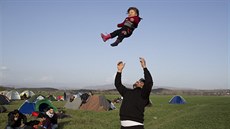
(200, 112)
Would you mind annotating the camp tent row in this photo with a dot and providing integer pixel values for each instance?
(14, 95)
(100, 103)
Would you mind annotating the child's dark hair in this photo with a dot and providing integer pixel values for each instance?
(133, 8)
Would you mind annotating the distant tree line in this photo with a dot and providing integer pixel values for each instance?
(2, 88)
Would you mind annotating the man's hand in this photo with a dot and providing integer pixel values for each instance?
(143, 63)
(22, 125)
(120, 66)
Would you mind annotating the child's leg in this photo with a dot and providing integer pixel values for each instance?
(115, 33)
(124, 34)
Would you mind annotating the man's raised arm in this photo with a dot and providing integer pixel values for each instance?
(121, 89)
(146, 90)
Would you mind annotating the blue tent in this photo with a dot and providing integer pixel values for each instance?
(27, 108)
(177, 100)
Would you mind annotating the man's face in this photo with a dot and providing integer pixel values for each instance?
(51, 111)
(16, 117)
(138, 84)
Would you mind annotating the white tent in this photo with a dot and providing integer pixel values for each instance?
(4, 92)
(28, 93)
(13, 95)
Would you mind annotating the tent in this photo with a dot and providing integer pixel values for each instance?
(4, 92)
(27, 94)
(2, 109)
(177, 100)
(75, 104)
(60, 98)
(36, 98)
(41, 105)
(96, 103)
(52, 98)
(13, 95)
(4, 100)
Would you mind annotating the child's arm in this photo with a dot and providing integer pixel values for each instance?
(121, 24)
(135, 20)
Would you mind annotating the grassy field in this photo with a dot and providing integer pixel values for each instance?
(200, 112)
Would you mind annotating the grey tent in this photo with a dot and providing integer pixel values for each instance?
(2, 109)
(75, 104)
(4, 100)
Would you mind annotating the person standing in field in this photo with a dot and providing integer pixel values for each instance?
(134, 100)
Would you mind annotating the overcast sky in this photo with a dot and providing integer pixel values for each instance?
(57, 43)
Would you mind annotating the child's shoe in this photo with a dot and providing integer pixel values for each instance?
(115, 43)
(105, 37)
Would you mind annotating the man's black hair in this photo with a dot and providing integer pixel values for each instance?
(142, 80)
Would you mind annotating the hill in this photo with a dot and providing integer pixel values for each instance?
(33, 89)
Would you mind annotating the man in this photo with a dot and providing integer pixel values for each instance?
(134, 100)
(52, 117)
(14, 120)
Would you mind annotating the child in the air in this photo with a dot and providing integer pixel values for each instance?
(126, 27)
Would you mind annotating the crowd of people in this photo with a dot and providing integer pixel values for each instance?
(44, 120)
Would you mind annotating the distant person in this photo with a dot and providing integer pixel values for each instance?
(15, 119)
(65, 97)
(134, 100)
